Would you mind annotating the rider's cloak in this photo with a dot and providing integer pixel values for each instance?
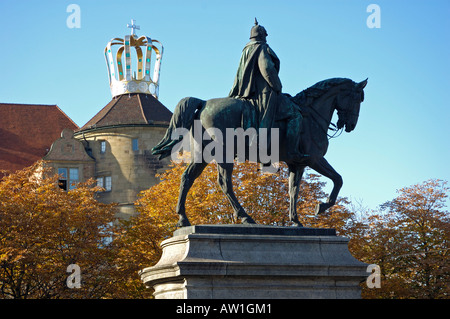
(257, 72)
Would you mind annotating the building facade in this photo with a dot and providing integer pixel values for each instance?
(69, 159)
(114, 147)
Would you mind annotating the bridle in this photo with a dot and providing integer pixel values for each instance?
(342, 113)
(331, 126)
(337, 131)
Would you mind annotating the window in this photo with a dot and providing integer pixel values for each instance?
(100, 181)
(135, 145)
(68, 178)
(73, 178)
(62, 182)
(102, 147)
(105, 182)
(108, 183)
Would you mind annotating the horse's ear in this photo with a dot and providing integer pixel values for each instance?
(361, 85)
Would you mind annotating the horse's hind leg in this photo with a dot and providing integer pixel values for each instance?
(226, 184)
(192, 171)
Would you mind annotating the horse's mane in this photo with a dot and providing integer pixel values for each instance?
(318, 89)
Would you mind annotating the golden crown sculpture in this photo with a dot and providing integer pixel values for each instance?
(122, 79)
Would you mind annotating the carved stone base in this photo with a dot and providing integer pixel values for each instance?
(255, 261)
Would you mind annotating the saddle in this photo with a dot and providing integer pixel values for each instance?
(285, 110)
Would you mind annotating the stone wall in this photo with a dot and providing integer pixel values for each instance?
(131, 168)
(68, 152)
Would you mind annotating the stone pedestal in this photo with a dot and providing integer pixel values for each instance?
(256, 262)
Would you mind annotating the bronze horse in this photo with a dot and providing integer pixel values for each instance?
(317, 105)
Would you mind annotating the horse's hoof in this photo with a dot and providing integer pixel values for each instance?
(297, 223)
(244, 217)
(247, 220)
(183, 222)
(321, 208)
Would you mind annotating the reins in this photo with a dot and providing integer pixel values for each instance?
(336, 131)
(331, 125)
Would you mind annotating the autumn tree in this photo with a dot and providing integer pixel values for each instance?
(44, 229)
(264, 196)
(409, 240)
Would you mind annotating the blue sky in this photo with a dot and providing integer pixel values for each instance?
(403, 130)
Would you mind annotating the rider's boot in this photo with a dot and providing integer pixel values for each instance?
(293, 139)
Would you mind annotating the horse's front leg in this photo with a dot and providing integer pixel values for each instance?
(322, 167)
(295, 176)
(192, 171)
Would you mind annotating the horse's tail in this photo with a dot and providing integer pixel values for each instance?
(183, 117)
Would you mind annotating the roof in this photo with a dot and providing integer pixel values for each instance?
(27, 131)
(131, 109)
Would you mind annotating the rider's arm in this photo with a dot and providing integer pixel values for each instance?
(268, 71)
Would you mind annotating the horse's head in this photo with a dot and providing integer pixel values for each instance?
(348, 103)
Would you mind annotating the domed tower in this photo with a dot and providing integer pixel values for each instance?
(121, 135)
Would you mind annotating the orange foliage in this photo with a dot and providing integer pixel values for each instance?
(409, 240)
(44, 229)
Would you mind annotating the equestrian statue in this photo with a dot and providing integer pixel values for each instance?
(256, 102)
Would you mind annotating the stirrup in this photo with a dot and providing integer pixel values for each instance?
(298, 157)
